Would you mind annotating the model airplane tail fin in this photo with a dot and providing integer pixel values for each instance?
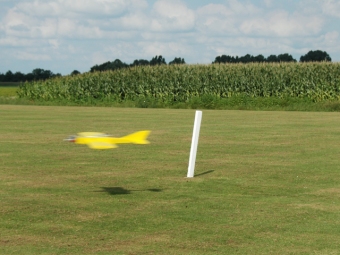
(139, 137)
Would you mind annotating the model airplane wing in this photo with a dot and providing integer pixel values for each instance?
(101, 146)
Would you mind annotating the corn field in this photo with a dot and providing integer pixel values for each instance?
(180, 83)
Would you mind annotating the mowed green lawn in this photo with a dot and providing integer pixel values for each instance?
(265, 183)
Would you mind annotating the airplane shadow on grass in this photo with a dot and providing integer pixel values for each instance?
(122, 191)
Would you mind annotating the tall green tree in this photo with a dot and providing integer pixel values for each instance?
(272, 59)
(41, 74)
(259, 58)
(247, 58)
(225, 59)
(140, 62)
(75, 72)
(9, 76)
(18, 76)
(177, 61)
(117, 64)
(316, 56)
(29, 77)
(157, 60)
(286, 58)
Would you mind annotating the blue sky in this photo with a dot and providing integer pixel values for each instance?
(64, 35)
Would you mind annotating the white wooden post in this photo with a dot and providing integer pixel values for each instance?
(194, 144)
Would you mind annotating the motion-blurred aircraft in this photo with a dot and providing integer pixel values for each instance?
(101, 141)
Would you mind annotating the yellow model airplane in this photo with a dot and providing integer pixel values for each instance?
(101, 141)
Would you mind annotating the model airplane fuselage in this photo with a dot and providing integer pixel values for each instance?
(101, 141)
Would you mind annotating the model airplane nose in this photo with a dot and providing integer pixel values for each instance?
(71, 138)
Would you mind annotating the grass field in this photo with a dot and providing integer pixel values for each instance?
(265, 183)
(8, 91)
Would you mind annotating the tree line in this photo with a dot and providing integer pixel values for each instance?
(118, 64)
(41, 74)
(316, 56)
(36, 74)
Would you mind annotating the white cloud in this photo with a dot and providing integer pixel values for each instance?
(17, 24)
(216, 19)
(282, 24)
(134, 21)
(83, 19)
(11, 41)
(65, 27)
(72, 19)
(332, 38)
(331, 7)
(268, 3)
(237, 18)
(32, 56)
(54, 44)
(75, 8)
(240, 8)
(172, 15)
(39, 8)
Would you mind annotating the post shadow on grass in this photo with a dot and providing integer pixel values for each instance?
(204, 173)
(122, 191)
